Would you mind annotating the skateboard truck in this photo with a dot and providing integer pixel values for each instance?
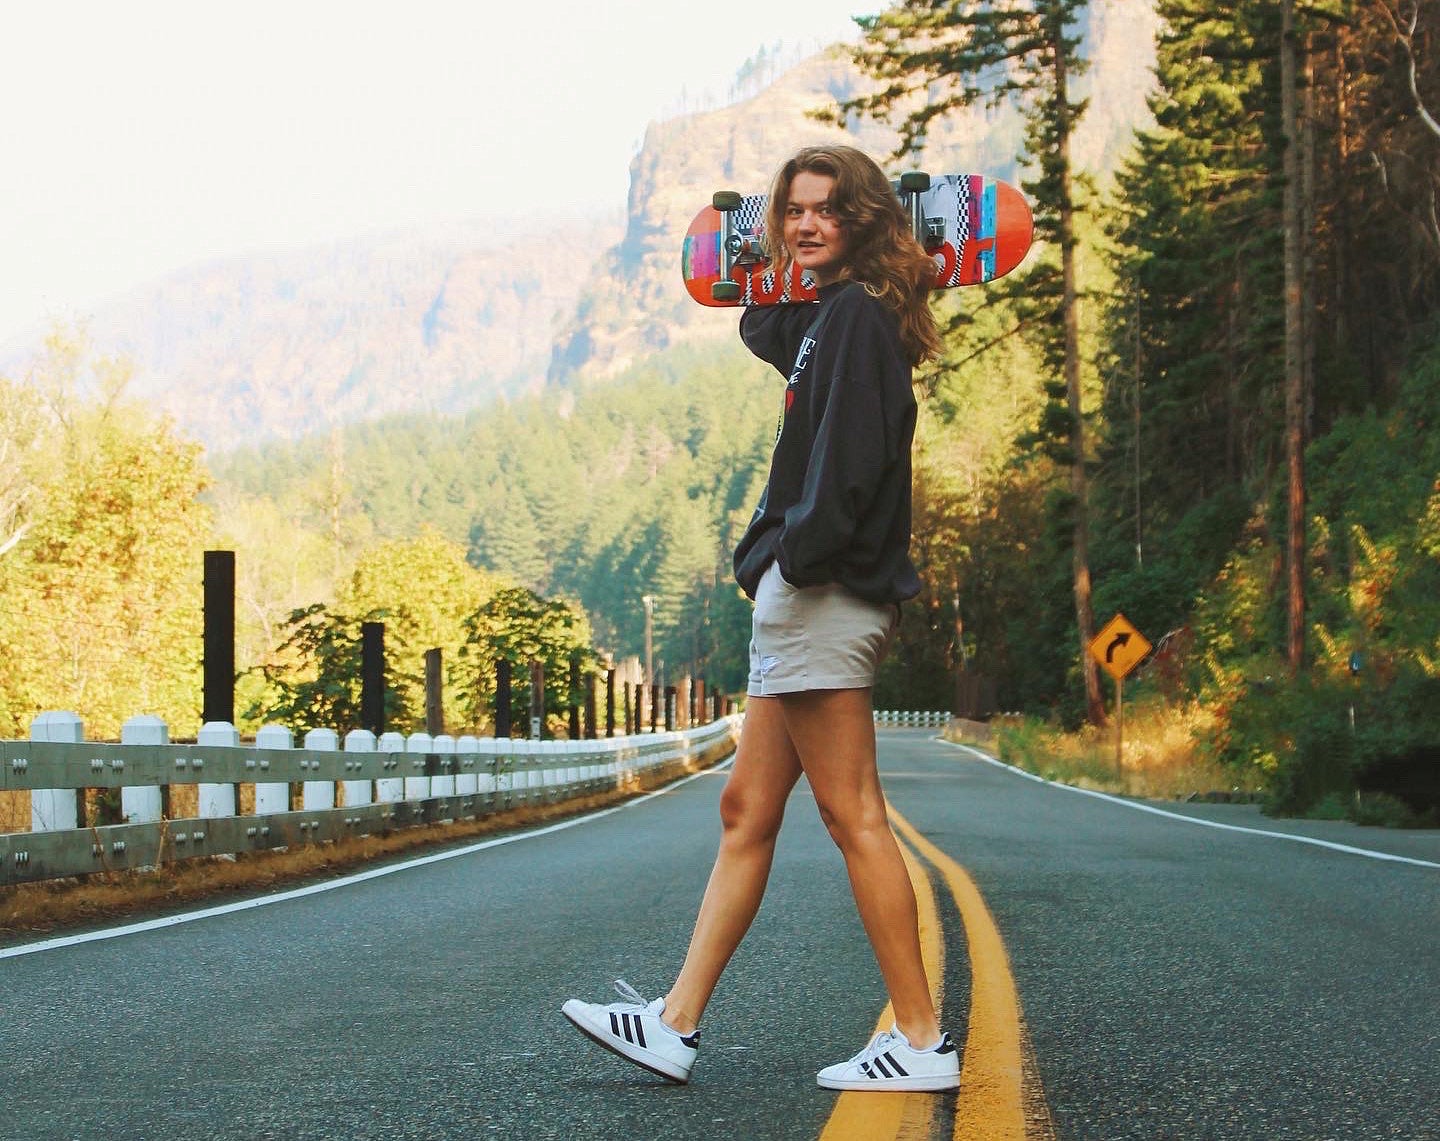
(737, 247)
(929, 232)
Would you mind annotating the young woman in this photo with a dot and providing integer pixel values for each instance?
(826, 561)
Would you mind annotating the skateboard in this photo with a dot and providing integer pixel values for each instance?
(976, 228)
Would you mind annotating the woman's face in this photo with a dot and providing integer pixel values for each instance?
(813, 231)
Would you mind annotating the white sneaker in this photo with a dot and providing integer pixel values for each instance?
(889, 1062)
(633, 1030)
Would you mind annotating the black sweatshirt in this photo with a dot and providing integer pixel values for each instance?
(836, 507)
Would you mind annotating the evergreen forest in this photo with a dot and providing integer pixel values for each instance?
(1209, 400)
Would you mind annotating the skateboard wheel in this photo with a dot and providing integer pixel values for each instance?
(914, 181)
(726, 200)
(725, 290)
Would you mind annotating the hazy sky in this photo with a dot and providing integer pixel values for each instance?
(141, 136)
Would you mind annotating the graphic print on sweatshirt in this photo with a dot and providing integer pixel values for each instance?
(802, 360)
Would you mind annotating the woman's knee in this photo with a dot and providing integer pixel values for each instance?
(852, 825)
(747, 815)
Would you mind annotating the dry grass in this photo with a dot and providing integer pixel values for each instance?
(15, 811)
(184, 801)
(43, 908)
(1159, 760)
(981, 734)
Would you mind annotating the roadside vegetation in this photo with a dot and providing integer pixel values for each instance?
(1169, 753)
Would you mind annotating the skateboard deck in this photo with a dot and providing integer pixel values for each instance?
(976, 228)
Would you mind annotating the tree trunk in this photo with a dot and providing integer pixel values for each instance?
(1294, 347)
(1070, 315)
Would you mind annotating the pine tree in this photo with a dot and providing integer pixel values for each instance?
(937, 56)
(1194, 330)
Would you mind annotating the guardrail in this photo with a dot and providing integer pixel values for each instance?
(912, 718)
(357, 787)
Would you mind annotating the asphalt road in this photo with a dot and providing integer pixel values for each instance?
(1176, 980)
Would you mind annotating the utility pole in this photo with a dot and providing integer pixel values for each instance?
(649, 601)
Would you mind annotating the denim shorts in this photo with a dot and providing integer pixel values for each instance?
(815, 637)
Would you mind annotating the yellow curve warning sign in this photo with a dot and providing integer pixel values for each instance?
(1119, 647)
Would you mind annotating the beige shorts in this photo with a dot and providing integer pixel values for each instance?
(815, 637)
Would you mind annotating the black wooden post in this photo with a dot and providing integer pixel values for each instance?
(372, 677)
(670, 703)
(537, 700)
(502, 698)
(219, 668)
(592, 693)
(434, 693)
(654, 708)
(574, 698)
(610, 702)
(629, 712)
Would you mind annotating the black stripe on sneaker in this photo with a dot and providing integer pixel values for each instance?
(615, 1025)
(880, 1065)
(867, 1071)
(639, 1030)
(896, 1066)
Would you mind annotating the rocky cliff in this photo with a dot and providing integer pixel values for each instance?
(280, 346)
(636, 305)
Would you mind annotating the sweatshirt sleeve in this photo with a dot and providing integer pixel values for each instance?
(854, 449)
(774, 332)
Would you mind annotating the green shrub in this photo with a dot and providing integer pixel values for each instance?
(1384, 810)
(1319, 741)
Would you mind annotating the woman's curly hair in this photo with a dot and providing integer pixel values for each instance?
(883, 254)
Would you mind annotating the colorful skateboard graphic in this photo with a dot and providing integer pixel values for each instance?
(975, 227)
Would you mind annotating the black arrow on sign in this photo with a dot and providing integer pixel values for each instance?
(1120, 640)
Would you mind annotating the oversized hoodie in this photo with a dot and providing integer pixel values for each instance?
(836, 507)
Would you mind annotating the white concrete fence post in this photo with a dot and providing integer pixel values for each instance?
(217, 799)
(443, 745)
(319, 794)
(357, 792)
(55, 809)
(487, 776)
(389, 790)
(467, 751)
(273, 796)
(143, 804)
(417, 787)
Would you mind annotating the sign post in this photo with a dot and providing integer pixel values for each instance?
(1118, 649)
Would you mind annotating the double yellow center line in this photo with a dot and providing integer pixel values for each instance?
(992, 1102)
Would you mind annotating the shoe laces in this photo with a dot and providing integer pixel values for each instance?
(877, 1046)
(630, 994)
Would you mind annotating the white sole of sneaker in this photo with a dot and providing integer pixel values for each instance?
(575, 1011)
(937, 1084)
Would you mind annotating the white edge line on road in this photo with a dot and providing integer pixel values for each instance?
(1346, 848)
(344, 881)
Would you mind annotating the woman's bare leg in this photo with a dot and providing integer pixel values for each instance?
(751, 810)
(833, 732)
